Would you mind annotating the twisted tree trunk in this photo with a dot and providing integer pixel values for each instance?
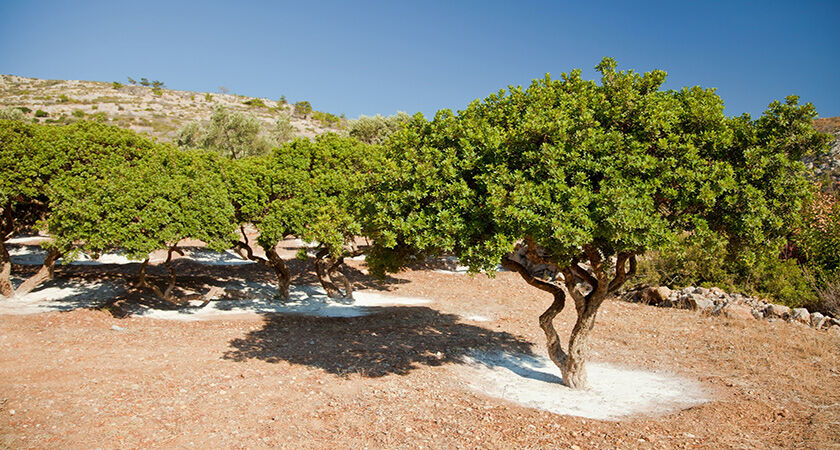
(166, 294)
(6, 289)
(328, 269)
(46, 272)
(274, 261)
(527, 259)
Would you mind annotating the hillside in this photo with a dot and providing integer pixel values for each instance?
(158, 113)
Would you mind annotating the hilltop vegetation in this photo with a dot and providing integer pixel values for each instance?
(152, 110)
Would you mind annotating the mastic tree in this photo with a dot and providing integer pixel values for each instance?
(307, 189)
(142, 197)
(28, 159)
(568, 181)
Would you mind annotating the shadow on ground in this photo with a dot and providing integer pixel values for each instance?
(395, 340)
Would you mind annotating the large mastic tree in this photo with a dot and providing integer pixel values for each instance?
(568, 181)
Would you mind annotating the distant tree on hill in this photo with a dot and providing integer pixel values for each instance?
(376, 129)
(145, 82)
(229, 133)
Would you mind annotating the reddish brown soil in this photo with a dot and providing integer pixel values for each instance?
(393, 379)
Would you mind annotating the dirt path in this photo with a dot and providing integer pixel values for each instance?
(399, 377)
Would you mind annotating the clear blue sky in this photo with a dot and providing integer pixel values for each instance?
(364, 57)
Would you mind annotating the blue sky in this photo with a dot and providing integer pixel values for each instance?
(365, 57)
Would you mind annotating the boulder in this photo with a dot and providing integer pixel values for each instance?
(818, 320)
(774, 311)
(734, 311)
(801, 315)
(758, 313)
(660, 294)
(700, 303)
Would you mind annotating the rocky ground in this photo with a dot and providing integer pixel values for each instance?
(400, 377)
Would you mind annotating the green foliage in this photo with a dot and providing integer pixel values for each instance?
(132, 80)
(255, 102)
(327, 119)
(117, 85)
(302, 109)
(229, 133)
(145, 82)
(41, 113)
(23, 109)
(620, 166)
(158, 84)
(376, 129)
(283, 100)
(305, 189)
(157, 91)
(78, 113)
(208, 97)
(63, 98)
(11, 114)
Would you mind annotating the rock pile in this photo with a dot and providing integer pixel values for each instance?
(716, 301)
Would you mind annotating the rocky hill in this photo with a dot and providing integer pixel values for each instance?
(158, 112)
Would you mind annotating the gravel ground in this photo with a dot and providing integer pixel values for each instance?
(400, 377)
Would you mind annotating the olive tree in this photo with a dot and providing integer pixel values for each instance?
(568, 181)
(305, 189)
(228, 133)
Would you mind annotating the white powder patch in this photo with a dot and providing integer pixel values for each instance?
(258, 298)
(209, 257)
(614, 393)
(27, 240)
(34, 255)
(477, 318)
(53, 296)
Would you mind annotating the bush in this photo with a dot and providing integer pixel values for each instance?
(302, 109)
(208, 97)
(11, 114)
(78, 113)
(117, 85)
(63, 98)
(24, 109)
(41, 113)
(255, 102)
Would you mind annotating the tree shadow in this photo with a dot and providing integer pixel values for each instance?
(393, 340)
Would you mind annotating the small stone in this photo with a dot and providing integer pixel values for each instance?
(758, 314)
(817, 320)
(117, 328)
(700, 303)
(801, 315)
(734, 311)
(776, 311)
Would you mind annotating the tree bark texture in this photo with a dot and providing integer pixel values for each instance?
(529, 260)
(166, 294)
(274, 261)
(6, 289)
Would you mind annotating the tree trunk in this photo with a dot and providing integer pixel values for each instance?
(574, 368)
(46, 272)
(326, 268)
(284, 278)
(166, 294)
(6, 289)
